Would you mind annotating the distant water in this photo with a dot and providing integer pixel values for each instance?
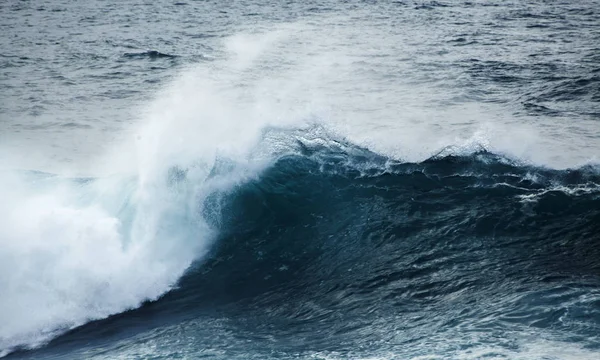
(300, 180)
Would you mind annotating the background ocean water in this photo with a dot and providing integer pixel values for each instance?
(299, 180)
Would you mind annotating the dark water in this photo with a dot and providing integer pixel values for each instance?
(300, 180)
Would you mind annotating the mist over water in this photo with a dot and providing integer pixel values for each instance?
(302, 180)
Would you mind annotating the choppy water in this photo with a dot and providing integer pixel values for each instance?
(299, 180)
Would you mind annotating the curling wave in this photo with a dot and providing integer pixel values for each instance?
(371, 250)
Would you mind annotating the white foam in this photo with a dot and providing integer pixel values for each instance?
(73, 251)
(578, 190)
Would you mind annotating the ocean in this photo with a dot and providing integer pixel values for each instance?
(311, 179)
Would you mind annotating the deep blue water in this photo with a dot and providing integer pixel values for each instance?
(300, 180)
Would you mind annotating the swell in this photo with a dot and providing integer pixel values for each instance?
(334, 246)
(315, 216)
(331, 249)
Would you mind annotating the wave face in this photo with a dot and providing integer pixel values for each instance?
(338, 249)
(343, 252)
